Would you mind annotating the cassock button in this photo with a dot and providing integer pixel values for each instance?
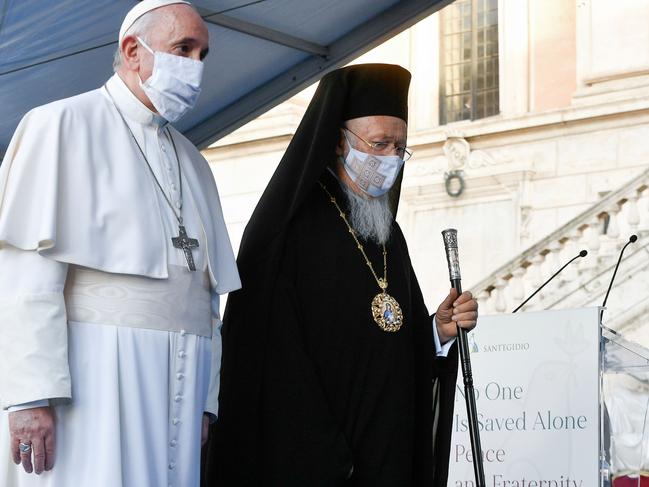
(178, 398)
(172, 465)
(164, 149)
(173, 443)
(183, 333)
(182, 354)
(180, 376)
(175, 421)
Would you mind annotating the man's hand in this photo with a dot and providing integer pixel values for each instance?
(206, 429)
(454, 311)
(33, 427)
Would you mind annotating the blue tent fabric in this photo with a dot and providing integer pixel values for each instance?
(261, 52)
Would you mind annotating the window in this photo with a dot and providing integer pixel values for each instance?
(469, 60)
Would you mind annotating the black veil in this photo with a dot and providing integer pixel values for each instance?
(355, 91)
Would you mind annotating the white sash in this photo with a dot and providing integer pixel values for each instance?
(179, 303)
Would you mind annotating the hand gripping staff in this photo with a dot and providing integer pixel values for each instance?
(452, 257)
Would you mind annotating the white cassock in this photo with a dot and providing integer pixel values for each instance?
(98, 311)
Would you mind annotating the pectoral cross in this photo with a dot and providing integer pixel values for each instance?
(186, 244)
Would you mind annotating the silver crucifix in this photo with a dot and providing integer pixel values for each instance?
(186, 244)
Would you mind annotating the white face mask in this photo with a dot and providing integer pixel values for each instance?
(373, 174)
(174, 85)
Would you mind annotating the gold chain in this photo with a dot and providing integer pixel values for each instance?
(382, 282)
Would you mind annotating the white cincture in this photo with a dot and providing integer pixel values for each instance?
(181, 302)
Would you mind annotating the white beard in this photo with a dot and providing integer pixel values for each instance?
(371, 218)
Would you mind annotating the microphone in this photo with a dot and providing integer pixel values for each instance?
(453, 260)
(632, 239)
(583, 253)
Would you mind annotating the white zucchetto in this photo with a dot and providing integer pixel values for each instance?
(140, 9)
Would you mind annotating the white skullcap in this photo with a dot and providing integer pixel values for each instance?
(140, 9)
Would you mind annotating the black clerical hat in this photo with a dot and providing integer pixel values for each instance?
(375, 89)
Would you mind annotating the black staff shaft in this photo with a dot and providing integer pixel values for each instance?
(469, 397)
(453, 259)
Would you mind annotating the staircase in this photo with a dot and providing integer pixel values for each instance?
(603, 230)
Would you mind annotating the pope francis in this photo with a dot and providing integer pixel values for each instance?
(113, 254)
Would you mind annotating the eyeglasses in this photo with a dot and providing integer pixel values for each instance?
(384, 147)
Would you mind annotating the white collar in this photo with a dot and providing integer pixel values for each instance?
(129, 105)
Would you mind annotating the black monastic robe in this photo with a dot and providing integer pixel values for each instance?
(311, 387)
(339, 392)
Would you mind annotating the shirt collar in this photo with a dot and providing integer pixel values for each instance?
(129, 105)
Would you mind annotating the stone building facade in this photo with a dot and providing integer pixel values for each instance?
(538, 110)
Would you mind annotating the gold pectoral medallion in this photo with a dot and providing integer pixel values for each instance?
(385, 309)
(387, 312)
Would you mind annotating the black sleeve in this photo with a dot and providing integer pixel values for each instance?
(444, 380)
(445, 370)
(435, 398)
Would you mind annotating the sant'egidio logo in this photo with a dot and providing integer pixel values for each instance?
(496, 347)
(506, 347)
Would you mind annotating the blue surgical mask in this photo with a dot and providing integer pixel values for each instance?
(373, 174)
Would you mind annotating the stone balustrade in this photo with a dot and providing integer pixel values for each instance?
(602, 230)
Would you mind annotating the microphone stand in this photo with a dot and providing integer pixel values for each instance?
(452, 258)
(583, 253)
(632, 239)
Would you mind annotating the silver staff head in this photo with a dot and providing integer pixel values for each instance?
(452, 255)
